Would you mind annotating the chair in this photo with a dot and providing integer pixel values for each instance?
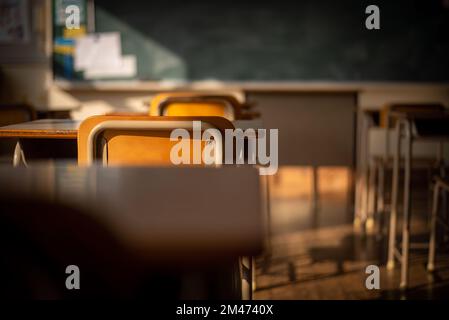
(139, 140)
(194, 104)
(144, 140)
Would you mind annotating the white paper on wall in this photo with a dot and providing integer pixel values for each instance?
(98, 50)
(126, 68)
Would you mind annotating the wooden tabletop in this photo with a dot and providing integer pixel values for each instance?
(156, 211)
(68, 129)
(44, 128)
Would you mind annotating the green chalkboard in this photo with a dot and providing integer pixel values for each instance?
(281, 40)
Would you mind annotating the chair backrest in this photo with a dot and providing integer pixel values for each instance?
(194, 104)
(407, 108)
(140, 140)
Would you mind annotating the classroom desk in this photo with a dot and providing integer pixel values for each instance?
(411, 127)
(57, 137)
(217, 212)
(68, 129)
(42, 139)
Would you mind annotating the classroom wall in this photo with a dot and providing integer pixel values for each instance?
(32, 83)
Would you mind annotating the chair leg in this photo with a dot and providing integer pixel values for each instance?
(394, 200)
(362, 212)
(269, 247)
(247, 266)
(369, 225)
(433, 227)
(407, 211)
(253, 277)
(315, 191)
(381, 198)
(442, 171)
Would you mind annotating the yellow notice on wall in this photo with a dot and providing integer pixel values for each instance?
(75, 32)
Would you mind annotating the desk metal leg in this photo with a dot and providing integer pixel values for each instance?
(382, 180)
(269, 220)
(248, 277)
(361, 171)
(18, 156)
(381, 197)
(407, 212)
(315, 190)
(252, 277)
(433, 229)
(442, 171)
(268, 241)
(394, 200)
(369, 224)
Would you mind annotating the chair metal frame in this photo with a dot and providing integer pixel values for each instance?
(144, 125)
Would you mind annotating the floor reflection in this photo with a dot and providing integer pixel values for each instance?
(316, 253)
(310, 197)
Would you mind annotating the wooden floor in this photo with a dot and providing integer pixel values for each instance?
(317, 254)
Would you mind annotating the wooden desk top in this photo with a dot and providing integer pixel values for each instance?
(68, 129)
(163, 212)
(413, 115)
(44, 128)
(432, 126)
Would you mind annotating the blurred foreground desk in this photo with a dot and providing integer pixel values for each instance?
(168, 212)
(140, 230)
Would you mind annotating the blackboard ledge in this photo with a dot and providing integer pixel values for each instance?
(248, 86)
